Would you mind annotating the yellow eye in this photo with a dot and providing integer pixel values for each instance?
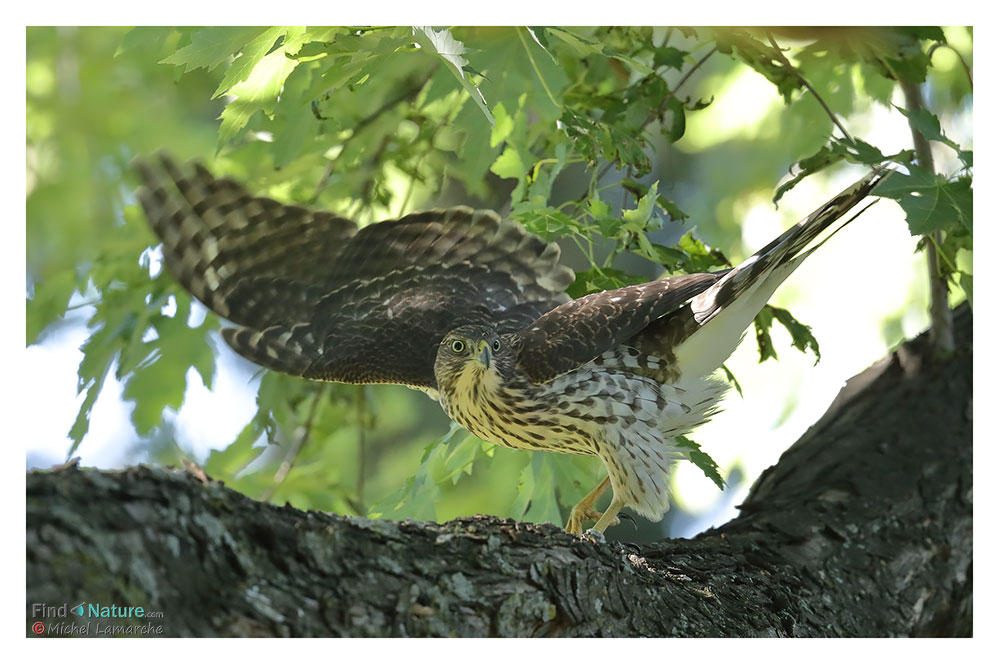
(496, 345)
(458, 346)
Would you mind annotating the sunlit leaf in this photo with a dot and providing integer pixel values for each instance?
(636, 219)
(210, 47)
(509, 164)
(250, 56)
(452, 51)
(259, 92)
(699, 257)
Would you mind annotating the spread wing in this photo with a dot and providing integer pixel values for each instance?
(576, 332)
(312, 295)
(693, 321)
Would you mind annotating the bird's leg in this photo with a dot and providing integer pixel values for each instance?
(583, 511)
(610, 516)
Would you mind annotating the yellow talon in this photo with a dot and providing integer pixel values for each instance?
(584, 511)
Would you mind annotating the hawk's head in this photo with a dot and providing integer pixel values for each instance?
(469, 351)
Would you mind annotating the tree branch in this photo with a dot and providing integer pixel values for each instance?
(941, 323)
(863, 528)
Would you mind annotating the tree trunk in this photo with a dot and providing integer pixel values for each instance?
(864, 528)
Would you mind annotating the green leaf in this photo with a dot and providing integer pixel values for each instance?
(822, 159)
(509, 164)
(580, 44)
(211, 47)
(635, 220)
(250, 56)
(731, 378)
(617, 142)
(700, 258)
(228, 462)
(764, 343)
(930, 201)
(452, 53)
(503, 127)
(860, 152)
(702, 460)
(294, 124)
(609, 225)
(446, 46)
(596, 280)
(667, 56)
(160, 380)
(966, 282)
(928, 125)
(418, 497)
(144, 37)
(899, 52)
(960, 197)
(536, 499)
(657, 253)
(461, 457)
(678, 121)
(801, 334)
(638, 190)
(547, 223)
(259, 92)
(671, 208)
(48, 303)
(116, 329)
(857, 152)
(82, 423)
(540, 37)
(761, 57)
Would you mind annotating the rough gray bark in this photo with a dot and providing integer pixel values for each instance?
(863, 528)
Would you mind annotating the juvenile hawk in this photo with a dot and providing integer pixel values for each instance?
(471, 309)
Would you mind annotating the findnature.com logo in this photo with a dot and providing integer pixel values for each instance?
(67, 626)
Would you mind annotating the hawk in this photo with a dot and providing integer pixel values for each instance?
(471, 309)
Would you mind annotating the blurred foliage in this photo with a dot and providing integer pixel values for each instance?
(580, 133)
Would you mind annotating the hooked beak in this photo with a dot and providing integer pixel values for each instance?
(485, 354)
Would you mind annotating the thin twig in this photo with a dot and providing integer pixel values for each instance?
(791, 68)
(537, 70)
(964, 64)
(322, 183)
(411, 186)
(941, 318)
(91, 303)
(624, 190)
(292, 454)
(683, 79)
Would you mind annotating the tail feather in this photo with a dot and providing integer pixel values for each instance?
(717, 318)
